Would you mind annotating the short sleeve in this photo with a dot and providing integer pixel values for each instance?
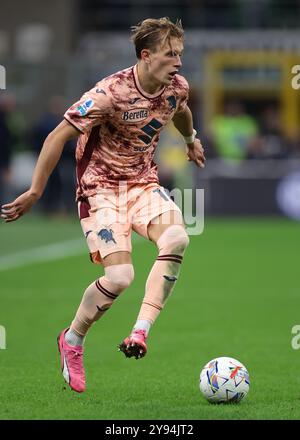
(93, 108)
(183, 93)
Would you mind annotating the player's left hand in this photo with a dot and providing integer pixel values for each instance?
(195, 153)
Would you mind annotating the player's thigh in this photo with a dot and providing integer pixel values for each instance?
(117, 258)
(108, 240)
(162, 222)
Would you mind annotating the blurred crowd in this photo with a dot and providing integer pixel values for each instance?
(235, 135)
(238, 135)
(16, 137)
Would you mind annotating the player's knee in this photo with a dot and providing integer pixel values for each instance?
(121, 275)
(173, 239)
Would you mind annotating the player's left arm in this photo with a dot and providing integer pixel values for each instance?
(183, 121)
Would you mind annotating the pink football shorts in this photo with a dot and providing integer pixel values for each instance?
(108, 218)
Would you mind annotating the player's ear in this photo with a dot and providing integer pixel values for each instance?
(145, 55)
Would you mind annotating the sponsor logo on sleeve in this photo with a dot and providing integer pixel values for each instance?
(135, 115)
(84, 108)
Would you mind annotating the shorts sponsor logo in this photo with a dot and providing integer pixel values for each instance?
(84, 108)
(135, 115)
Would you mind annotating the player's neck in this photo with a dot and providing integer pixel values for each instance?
(147, 82)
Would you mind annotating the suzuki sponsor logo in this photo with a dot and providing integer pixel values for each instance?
(135, 115)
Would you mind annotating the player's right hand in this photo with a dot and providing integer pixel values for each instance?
(14, 210)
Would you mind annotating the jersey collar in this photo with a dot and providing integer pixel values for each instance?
(139, 87)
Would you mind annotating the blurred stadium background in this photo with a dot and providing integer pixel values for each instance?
(241, 59)
(238, 59)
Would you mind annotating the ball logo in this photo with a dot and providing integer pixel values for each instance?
(135, 115)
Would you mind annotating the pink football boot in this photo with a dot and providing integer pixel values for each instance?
(71, 359)
(135, 344)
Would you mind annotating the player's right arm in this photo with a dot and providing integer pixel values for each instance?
(47, 160)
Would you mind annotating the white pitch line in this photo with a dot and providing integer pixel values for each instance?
(39, 254)
(50, 252)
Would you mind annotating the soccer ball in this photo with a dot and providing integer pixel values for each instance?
(224, 379)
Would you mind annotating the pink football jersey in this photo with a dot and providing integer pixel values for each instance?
(120, 126)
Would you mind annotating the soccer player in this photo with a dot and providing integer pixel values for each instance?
(118, 123)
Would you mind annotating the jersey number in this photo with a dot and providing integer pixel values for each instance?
(151, 130)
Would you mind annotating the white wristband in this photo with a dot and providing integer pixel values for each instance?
(190, 139)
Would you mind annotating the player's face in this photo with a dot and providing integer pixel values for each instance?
(165, 62)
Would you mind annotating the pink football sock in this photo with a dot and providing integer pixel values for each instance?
(163, 276)
(100, 295)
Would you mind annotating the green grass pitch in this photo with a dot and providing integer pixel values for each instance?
(238, 295)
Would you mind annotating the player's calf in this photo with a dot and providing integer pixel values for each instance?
(160, 284)
(164, 273)
(100, 296)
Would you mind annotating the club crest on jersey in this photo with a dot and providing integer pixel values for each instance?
(172, 101)
(84, 108)
(135, 115)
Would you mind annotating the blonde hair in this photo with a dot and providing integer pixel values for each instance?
(153, 32)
